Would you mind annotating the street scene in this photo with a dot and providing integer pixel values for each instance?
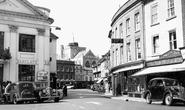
(92, 55)
(85, 99)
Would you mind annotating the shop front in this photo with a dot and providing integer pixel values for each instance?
(122, 83)
(170, 65)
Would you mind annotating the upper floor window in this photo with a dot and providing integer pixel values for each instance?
(1, 41)
(121, 30)
(138, 49)
(116, 57)
(93, 63)
(154, 14)
(121, 54)
(128, 26)
(116, 33)
(26, 43)
(137, 22)
(156, 44)
(171, 8)
(172, 40)
(87, 64)
(128, 52)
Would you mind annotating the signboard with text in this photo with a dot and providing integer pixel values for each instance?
(42, 75)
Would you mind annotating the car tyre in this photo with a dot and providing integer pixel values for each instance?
(56, 100)
(15, 100)
(148, 99)
(168, 99)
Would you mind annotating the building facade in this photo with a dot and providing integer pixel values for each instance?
(25, 31)
(165, 30)
(127, 53)
(65, 72)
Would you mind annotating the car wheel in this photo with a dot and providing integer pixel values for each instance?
(168, 99)
(148, 99)
(56, 100)
(15, 100)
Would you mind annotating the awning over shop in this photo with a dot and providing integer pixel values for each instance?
(129, 68)
(100, 80)
(161, 69)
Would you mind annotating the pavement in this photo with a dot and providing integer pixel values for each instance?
(123, 97)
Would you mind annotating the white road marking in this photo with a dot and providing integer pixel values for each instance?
(82, 107)
(97, 103)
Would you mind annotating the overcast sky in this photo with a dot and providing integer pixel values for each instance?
(87, 20)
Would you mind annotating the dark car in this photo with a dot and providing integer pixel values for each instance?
(47, 93)
(19, 92)
(166, 90)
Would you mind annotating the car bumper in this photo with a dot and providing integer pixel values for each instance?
(26, 99)
(50, 97)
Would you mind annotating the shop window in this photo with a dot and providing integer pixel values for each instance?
(26, 72)
(26, 43)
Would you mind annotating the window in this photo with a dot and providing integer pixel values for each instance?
(67, 69)
(26, 43)
(128, 52)
(138, 49)
(154, 14)
(121, 54)
(116, 57)
(137, 22)
(171, 8)
(116, 33)
(66, 76)
(173, 40)
(156, 44)
(90, 78)
(121, 30)
(128, 26)
(1, 43)
(86, 78)
(87, 64)
(113, 64)
(93, 63)
(26, 72)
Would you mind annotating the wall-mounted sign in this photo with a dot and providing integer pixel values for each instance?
(42, 75)
(27, 62)
(116, 40)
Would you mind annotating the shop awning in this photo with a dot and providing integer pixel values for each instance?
(129, 68)
(161, 69)
(100, 80)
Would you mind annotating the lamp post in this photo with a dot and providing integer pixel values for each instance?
(182, 50)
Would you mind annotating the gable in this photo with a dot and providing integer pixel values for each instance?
(19, 6)
(89, 54)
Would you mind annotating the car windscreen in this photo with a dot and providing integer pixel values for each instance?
(28, 86)
(171, 82)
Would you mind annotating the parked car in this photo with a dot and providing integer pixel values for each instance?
(19, 92)
(167, 90)
(47, 93)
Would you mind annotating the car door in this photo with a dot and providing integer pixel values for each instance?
(159, 88)
(153, 89)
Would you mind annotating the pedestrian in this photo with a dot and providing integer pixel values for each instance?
(65, 90)
(5, 95)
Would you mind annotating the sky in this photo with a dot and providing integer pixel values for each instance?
(84, 21)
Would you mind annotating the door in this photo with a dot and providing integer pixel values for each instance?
(159, 89)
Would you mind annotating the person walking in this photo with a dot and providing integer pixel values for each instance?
(65, 90)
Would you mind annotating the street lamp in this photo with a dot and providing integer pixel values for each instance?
(56, 27)
(182, 49)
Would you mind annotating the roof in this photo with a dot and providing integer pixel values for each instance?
(53, 36)
(37, 13)
(80, 54)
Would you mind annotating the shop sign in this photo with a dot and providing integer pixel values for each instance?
(164, 62)
(27, 61)
(42, 75)
(116, 40)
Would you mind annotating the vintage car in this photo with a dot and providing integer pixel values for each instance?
(45, 92)
(19, 92)
(167, 90)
